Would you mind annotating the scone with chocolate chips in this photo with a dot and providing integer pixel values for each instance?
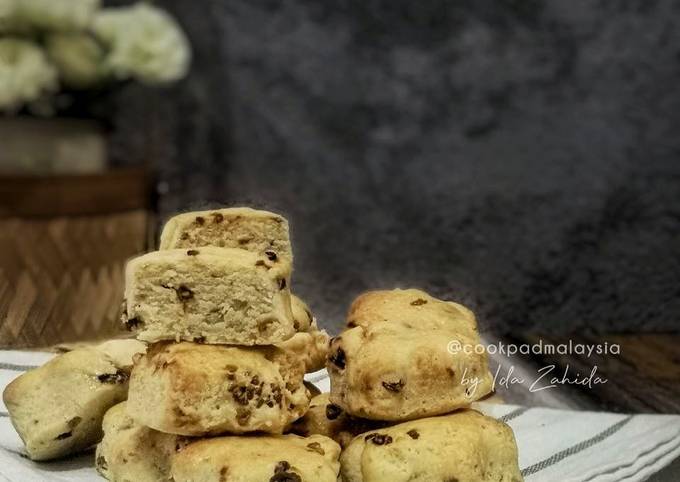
(399, 369)
(412, 307)
(261, 232)
(57, 409)
(284, 458)
(465, 446)
(131, 452)
(210, 295)
(192, 389)
(325, 418)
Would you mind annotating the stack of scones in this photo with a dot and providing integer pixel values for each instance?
(212, 389)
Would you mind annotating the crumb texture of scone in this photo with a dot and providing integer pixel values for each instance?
(261, 232)
(410, 306)
(401, 367)
(193, 389)
(57, 409)
(284, 458)
(130, 452)
(209, 295)
(325, 418)
(464, 446)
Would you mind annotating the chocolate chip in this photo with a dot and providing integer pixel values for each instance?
(192, 252)
(282, 283)
(200, 221)
(181, 443)
(271, 255)
(200, 340)
(418, 302)
(285, 477)
(394, 386)
(413, 433)
(338, 358)
(333, 411)
(260, 262)
(74, 422)
(316, 447)
(282, 473)
(378, 439)
(114, 378)
(240, 394)
(351, 324)
(133, 323)
(224, 471)
(63, 436)
(217, 217)
(184, 293)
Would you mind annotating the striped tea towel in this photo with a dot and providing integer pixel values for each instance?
(554, 445)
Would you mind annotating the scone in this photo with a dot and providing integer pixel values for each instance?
(57, 409)
(192, 389)
(209, 295)
(413, 307)
(131, 452)
(259, 231)
(284, 458)
(464, 446)
(396, 372)
(324, 418)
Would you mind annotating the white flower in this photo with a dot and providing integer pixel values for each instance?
(25, 73)
(145, 43)
(56, 15)
(78, 57)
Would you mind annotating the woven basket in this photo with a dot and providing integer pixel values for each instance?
(63, 246)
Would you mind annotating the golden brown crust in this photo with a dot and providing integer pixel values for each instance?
(57, 409)
(411, 307)
(465, 446)
(261, 232)
(257, 459)
(132, 452)
(192, 389)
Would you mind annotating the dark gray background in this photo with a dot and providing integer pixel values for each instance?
(519, 156)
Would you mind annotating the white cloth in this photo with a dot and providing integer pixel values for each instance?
(563, 445)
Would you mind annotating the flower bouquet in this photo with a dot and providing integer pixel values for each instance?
(58, 58)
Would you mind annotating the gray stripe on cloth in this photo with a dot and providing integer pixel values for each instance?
(574, 449)
(513, 415)
(16, 368)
